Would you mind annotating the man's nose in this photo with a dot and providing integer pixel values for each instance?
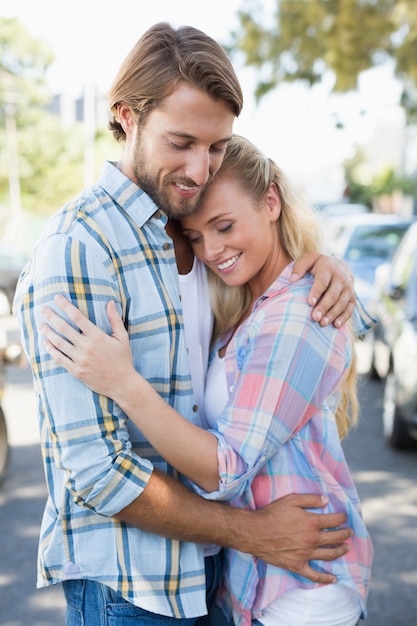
(198, 166)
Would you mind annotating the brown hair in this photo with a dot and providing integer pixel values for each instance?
(164, 57)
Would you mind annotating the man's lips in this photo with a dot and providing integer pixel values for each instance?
(186, 190)
(186, 187)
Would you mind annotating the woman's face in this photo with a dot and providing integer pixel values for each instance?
(235, 238)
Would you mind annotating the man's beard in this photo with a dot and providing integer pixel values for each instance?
(158, 190)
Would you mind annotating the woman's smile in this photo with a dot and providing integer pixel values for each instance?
(229, 263)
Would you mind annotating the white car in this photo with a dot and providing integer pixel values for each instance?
(336, 209)
(365, 241)
(394, 345)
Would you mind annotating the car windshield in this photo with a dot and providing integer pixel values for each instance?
(371, 242)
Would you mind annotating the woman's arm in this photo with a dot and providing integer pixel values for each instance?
(104, 363)
(187, 447)
(288, 371)
(243, 442)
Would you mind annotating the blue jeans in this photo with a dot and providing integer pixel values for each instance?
(93, 604)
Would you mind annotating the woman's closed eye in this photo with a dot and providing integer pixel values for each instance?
(226, 228)
(193, 239)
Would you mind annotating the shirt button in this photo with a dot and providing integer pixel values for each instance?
(231, 388)
(157, 215)
(195, 408)
(166, 246)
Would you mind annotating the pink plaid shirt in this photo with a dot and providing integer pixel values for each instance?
(278, 435)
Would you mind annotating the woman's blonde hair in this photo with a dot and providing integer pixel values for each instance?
(161, 59)
(299, 232)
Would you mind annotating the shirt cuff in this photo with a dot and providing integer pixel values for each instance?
(362, 321)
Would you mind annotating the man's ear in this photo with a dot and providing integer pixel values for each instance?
(126, 118)
(273, 202)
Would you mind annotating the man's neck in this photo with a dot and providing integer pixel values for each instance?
(183, 252)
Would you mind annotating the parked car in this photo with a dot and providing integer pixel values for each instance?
(394, 342)
(365, 241)
(10, 354)
(11, 264)
(335, 209)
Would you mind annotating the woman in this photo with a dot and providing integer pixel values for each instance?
(280, 391)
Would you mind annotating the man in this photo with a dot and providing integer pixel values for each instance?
(120, 530)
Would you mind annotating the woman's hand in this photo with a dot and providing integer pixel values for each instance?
(104, 363)
(101, 361)
(332, 294)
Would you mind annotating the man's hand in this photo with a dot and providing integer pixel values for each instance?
(332, 294)
(288, 536)
(282, 533)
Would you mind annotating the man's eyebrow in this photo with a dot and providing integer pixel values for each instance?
(181, 135)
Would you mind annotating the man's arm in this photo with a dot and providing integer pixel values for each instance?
(282, 533)
(332, 294)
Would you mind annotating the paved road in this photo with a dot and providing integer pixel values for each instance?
(386, 481)
(22, 498)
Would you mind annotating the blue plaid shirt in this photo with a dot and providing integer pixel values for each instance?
(109, 243)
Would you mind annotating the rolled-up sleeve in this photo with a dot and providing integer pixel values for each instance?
(281, 367)
(85, 433)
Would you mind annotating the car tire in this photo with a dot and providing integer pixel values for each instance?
(373, 370)
(4, 445)
(395, 430)
(370, 340)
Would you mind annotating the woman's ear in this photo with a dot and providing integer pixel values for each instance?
(273, 202)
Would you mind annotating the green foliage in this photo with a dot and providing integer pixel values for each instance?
(388, 182)
(405, 51)
(106, 148)
(363, 186)
(51, 164)
(23, 65)
(50, 158)
(306, 38)
(359, 193)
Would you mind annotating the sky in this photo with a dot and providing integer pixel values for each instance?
(293, 125)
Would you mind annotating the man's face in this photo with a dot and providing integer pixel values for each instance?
(175, 155)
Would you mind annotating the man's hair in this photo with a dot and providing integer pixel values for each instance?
(164, 57)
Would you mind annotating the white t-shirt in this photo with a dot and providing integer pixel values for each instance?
(217, 394)
(198, 325)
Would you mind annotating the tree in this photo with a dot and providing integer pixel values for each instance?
(23, 65)
(307, 38)
(48, 159)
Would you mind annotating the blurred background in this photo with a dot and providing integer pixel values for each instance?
(330, 91)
